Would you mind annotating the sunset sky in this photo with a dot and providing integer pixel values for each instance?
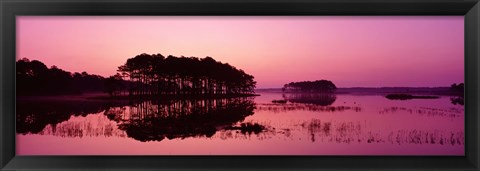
(351, 51)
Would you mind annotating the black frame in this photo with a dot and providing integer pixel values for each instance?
(11, 8)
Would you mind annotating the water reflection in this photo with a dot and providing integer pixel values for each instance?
(157, 120)
(358, 132)
(244, 120)
(431, 112)
(153, 121)
(317, 130)
(276, 108)
(322, 99)
(458, 100)
(140, 120)
(33, 116)
(94, 125)
(427, 137)
(248, 128)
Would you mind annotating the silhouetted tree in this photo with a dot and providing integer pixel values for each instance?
(114, 85)
(322, 86)
(459, 91)
(29, 73)
(155, 75)
(35, 78)
(457, 87)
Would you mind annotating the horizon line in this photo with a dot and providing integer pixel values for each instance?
(371, 87)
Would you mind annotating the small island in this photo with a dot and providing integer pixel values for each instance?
(456, 90)
(319, 92)
(318, 86)
(279, 101)
(408, 97)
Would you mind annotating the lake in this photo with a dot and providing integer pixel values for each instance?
(297, 124)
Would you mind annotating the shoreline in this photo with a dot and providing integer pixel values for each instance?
(100, 96)
(440, 91)
(173, 97)
(106, 97)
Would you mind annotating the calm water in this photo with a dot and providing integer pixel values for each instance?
(304, 125)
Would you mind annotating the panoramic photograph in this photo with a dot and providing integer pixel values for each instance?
(240, 85)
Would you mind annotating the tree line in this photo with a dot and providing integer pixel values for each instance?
(322, 86)
(35, 78)
(154, 74)
(457, 87)
(141, 75)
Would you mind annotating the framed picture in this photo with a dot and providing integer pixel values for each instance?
(242, 85)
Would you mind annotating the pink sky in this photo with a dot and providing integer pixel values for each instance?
(352, 51)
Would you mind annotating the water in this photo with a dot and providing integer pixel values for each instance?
(306, 124)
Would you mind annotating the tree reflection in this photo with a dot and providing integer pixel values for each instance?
(322, 99)
(276, 108)
(156, 120)
(458, 100)
(33, 115)
(94, 125)
(248, 128)
(141, 120)
(218, 118)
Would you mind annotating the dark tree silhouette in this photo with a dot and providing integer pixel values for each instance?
(114, 85)
(150, 75)
(409, 97)
(459, 90)
(321, 86)
(84, 82)
(157, 75)
(30, 73)
(457, 87)
(34, 78)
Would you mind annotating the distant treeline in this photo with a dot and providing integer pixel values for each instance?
(458, 87)
(156, 75)
(322, 86)
(35, 78)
